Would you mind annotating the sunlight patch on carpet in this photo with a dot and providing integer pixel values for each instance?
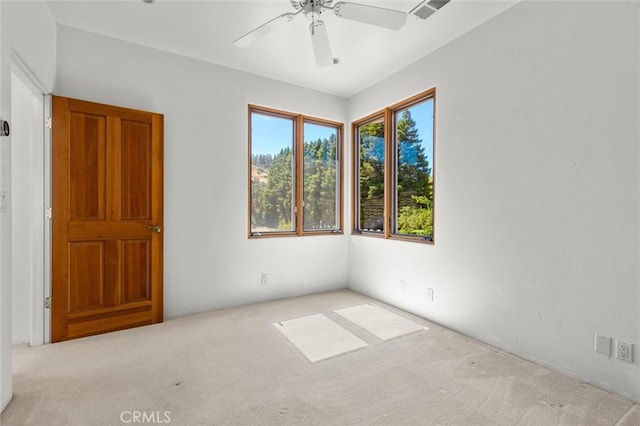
(319, 338)
(380, 322)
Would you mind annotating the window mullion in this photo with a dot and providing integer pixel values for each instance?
(388, 175)
(355, 179)
(299, 181)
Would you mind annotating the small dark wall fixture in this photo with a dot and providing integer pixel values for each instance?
(4, 128)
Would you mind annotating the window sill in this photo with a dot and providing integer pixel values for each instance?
(408, 238)
(260, 235)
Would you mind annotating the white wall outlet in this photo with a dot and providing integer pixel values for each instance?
(263, 278)
(624, 351)
(430, 294)
(403, 286)
(603, 345)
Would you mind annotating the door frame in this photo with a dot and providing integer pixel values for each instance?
(46, 237)
(39, 224)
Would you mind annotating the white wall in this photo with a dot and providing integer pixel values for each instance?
(537, 187)
(537, 180)
(5, 222)
(209, 262)
(27, 29)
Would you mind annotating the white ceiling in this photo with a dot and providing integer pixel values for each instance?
(206, 29)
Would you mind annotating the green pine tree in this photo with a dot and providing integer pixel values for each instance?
(372, 176)
(414, 181)
(277, 192)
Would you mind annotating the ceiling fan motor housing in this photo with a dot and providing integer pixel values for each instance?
(311, 5)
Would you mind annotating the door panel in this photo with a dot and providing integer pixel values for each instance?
(87, 160)
(107, 199)
(86, 276)
(136, 274)
(136, 176)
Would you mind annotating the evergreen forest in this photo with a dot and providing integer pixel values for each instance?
(272, 186)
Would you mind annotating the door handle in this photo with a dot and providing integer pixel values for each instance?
(155, 228)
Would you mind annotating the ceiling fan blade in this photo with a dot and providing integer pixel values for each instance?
(379, 16)
(263, 29)
(321, 46)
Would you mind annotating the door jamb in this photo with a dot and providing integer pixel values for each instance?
(46, 285)
(41, 284)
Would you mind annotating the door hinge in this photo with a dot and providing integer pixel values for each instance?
(47, 302)
(48, 213)
(48, 123)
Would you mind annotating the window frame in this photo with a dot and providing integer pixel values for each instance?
(355, 211)
(299, 121)
(390, 169)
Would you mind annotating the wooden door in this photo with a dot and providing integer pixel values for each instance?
(107, 218)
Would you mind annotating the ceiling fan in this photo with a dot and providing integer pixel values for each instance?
(312, 9)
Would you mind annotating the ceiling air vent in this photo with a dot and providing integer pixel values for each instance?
(427, 8)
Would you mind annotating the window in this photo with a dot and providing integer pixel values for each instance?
(321, 180)
(394, 179)
(371, 182)
(295, 167)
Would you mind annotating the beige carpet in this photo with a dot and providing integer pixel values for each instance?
(233, 367)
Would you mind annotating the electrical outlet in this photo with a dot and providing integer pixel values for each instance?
(263, 278)
(430, 294)
(403, 286)
(624, 351)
